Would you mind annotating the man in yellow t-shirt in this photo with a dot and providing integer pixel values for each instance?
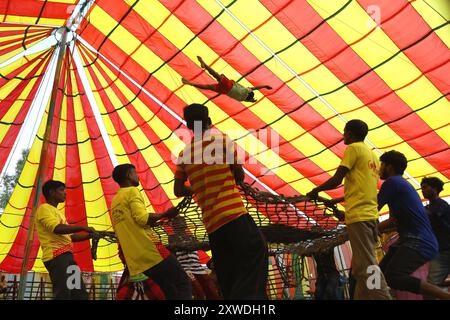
(56, 238)
(360, 168)
(143, 252)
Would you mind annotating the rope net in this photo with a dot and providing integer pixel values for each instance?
(290, 224)
(294, 228)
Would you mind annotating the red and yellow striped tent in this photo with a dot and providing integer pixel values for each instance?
(120, 96)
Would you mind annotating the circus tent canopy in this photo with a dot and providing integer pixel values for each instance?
(120, 98)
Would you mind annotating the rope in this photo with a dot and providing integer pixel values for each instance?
(96, 236)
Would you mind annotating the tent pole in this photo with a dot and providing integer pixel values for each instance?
(43, 164)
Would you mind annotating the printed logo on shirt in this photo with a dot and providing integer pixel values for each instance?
(118, 215)
(373, 167)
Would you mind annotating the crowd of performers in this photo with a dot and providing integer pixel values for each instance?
(239, 250)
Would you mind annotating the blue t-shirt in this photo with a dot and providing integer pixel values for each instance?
(413, 224)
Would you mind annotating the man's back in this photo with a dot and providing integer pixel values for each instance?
(440, 221)
(406, 208)
(129, 219)
(212, 181)
(360, 185)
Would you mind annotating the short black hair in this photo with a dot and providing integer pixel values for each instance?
(357, 128)
(250, 96)
(434, 182)
(196, 112)
(396, 159)
(120, 172)
(51, 185)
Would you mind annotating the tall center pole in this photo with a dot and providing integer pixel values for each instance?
(43, 163)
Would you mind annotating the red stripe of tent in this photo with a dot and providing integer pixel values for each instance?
(13, 131)
(183, 65)
(35, 8)
(299, 17)
(75, 202)
(427, 54)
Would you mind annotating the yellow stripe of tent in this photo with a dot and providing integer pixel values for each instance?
(89, 172)
(376, 48)
(38, 264)
(20, 196)
(269, 158)
(32, 20)
(64, 1)
(433, 18)
(7, 27)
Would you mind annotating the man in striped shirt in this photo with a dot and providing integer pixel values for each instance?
(239, 250)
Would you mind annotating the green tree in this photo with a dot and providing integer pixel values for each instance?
(9, 181)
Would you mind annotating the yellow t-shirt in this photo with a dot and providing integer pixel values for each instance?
(139, 244)
(360, 186)
(47, 218)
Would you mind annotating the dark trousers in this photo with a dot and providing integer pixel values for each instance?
(398, 265)
(63, 278)
(170, 276)
(240, 259)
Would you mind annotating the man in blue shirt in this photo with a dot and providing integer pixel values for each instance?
(439, 213)
(417, 243)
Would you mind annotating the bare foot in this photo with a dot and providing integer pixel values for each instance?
(202, 63)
